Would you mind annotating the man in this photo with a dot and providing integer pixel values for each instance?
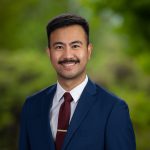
(75, 113)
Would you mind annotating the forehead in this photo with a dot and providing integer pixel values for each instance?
(68, 33)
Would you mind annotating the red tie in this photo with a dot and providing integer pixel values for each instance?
(63, 120)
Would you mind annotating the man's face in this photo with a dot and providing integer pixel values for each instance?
(69, 52)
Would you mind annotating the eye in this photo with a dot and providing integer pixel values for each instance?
(75, 46)
(58, 47)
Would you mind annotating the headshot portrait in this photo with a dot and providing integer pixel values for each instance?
(74, 113)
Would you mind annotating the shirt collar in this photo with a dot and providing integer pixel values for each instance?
(75, 92)
(59, 92)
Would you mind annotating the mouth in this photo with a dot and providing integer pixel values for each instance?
(68, 63)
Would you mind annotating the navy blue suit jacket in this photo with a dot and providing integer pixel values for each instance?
(101, 121)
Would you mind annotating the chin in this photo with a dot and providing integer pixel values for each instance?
(68, 77)
(71, 76)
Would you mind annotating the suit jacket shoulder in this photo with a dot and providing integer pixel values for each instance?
(108, 97)
(42, 92)
(33, 103)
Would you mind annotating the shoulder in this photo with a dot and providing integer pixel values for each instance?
(106, 98)
(101, 92)
(34, 101)
(105, 93)
(113, 106)
(41, 92)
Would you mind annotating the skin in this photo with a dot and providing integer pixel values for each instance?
(69, 54)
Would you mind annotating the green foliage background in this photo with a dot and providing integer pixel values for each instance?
(120, 33)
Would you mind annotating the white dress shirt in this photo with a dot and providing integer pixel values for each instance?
(58, 100)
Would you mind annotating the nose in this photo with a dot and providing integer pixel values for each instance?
(68, 52)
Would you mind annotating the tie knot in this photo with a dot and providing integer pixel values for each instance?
(67, 97)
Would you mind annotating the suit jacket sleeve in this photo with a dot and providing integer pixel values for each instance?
(119, 130)
(23, 137)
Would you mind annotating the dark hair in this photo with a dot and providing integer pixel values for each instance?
(67, 20)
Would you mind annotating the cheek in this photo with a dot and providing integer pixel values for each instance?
(83, 56)
(53, 59)
(54, 56)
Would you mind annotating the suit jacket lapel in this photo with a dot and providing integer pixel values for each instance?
(46, 105)
(84, 105)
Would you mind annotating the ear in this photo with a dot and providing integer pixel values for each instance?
(48, 52)
(90, 48)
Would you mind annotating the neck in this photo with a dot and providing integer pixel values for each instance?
(69, 84)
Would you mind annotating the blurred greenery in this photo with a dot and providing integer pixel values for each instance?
(120, 33)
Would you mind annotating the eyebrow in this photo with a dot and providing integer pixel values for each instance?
(61, 43)
(76, 42)
(56, 43)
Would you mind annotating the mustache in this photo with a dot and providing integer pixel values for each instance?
(68, 61)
